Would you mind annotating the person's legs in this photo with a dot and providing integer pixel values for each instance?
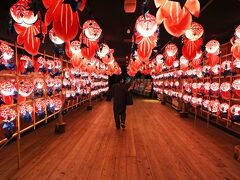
(123, 119)
(117, 119)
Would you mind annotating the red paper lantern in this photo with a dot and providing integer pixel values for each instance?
(25, 87)
(22, 15)
(235, 110)
(213, 47)
(194, 32)
(224, 107)
(225, 90)
(7, 114)
(236, 49)
(38, 83)
(214, 87)
(23, 63)
(146, 25)
(130, 6)
(236, 87)
(184, 63)
(24, 108)
(102, 52)
(39, 63)
(171, 49)
(57, 104)
(7, 90)
(6, 53)
(207, 86)
(214, 106)
(205, 104)
(92, 30)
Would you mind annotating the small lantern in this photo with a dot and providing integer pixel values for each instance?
(40, 65)
(214, 106)
(171, 50)
(103, 50)
(214, 88)
(57, 104)
(40, 108)
(38, 84)
(7, 90)
(226, 68)
(25, 88)
(50, 85)
(194, 101)
(25, 64)
(225, 89)
(206, 70)
(223, 108)
(207, 86)
(216, 69)
(6, 53)
(199, 102)
(213, 47)
(235, 113)
(236, 87)
(205, 104)
(26, 111)
(57, 84)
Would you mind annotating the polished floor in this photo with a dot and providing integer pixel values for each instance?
(156, 144)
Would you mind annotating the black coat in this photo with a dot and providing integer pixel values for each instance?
(118, 92)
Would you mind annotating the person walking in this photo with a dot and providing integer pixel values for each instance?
(119, 92)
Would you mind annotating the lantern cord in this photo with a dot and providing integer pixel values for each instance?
(145, 8)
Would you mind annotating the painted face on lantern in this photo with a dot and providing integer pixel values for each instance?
(176, 63)
(214, 106)
(7, 88)
(50, 64)
(194, 32)
(194, 86)
(176, 83)
(235, 110)
(206, 103)
(194, 100)
(103, 50)
(226, 65)
(54, 38)
(180, 95)
(41, 60)
(25, 87)
(199, 85)
(159, 59)
(212, 46)
(27, 59)
(199, 73)
(171, 50)
(38, 83)
(22, 15)
(75, 47)
(50, 82)
(215, 86)
(199, 101)
(92, 30)
(26, 108)
(8, 114)
(207, 86)
(146, 26)
(236, 63)
(225, 86)
(216, 69)
(7, 52)
(57, 104)
(224, 107)
(189, 72)
(236, 84)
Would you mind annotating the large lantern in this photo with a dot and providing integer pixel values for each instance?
(146, 25)
(22, 15)
(92, 30)
(194, 32)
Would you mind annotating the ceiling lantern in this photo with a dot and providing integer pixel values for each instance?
(194, 32)
(92, 30)
(22, 15)
(146, 25)
(212, 46)
(54, 38)
(130, 6)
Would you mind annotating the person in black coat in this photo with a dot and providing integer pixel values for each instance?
(119, 92)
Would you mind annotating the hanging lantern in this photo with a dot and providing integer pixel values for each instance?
(223, 108)
(236, 87)
(197, 60)
(146, 25)
(25, 64)
(226, 68)
(92, 30)
(195, 88)
(103, 51)
(236, 49)
(215, 69)
(22, 15)
(237, 32)
(26, 111)
(236, 64)
(184, 63)
(194, 102)
(90, 49)
(225, 89)
(199, 72)
(130, 6)
(7, 90)
(235, 113)
(194, 32)
(213, 47)
(40, 65)
(8, 117)
(171, 49)
(54, 38)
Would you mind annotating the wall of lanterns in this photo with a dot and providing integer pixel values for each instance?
(36, 88)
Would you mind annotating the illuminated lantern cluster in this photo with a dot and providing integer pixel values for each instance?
(236, 44)
(176, 19)
(212, 52)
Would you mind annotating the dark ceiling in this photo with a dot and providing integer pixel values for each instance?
(218, 17)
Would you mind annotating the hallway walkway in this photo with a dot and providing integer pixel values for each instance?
(156, 144)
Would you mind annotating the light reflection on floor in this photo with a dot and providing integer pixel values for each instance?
(151, 100)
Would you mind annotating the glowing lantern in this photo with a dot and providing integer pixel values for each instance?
(38, 84)
(207, 86)
(214, 88)
(40, 108)
(216, 69)
(25, 64)
(40, 65)
(6, 53)
(194, 87)
(50, 85)
(25, 88)
(199, 102)
(57, 104)
(171, 49)
(236, 87)
(65, 21)
(225, 90)
(7, 90)
(194, 32)
(54, 38)
(57, 84)
(130, 6)
(236, 63)
(226, 67)
(194, 101)
(206, 70)
(146, 25)
(89, 51)
(214, 106)
(237, 32)
(206, 104)
(213, 47)
(22, 15)
(26, 111)
(50, 105)
(235, 113)
(223, 108)
(103, 51)
(184, 63)
(50, 66)
(92, 30)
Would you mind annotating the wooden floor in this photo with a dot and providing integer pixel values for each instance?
(156, 144)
